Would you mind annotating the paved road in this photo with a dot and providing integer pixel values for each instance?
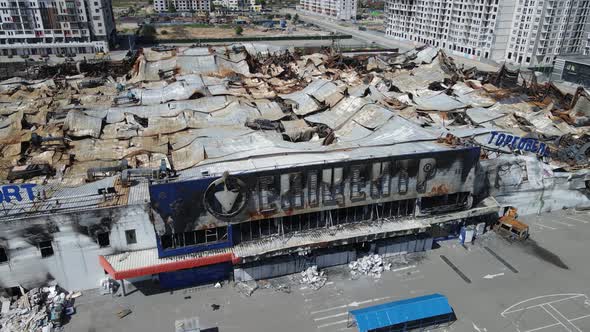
(541, 285)
(381, 39)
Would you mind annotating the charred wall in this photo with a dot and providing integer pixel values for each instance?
(65, 247)
(532, 186)
(214, 203)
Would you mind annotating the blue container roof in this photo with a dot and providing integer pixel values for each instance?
(397, 312)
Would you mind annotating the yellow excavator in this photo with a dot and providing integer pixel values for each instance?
(508, 226)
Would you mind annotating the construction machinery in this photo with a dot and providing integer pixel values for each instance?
(509, 227)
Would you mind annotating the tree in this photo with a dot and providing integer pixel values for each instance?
(296, 18)
(239, 30)
(148, 31)
(171, 8)
(288, 16)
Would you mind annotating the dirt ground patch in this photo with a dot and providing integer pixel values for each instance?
(190, 32)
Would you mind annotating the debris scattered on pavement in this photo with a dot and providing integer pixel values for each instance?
(40, 309)
(279, 286)
(371, 265)
(246, 287)
(123, 312)
(313, 278)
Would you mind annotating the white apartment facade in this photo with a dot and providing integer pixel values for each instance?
(517, 31)
(182, 5)
(543, 30)
(253, 5)
(468, 28)
(335, 9)
(39, 27)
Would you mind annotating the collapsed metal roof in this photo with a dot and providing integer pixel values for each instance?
(239, 107)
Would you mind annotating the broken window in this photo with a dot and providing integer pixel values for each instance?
(46, 249)
(403, 181)
(130, 236)
(267, 193)
(332, 180)
(357, 183)
(380, 180)
(292, 190)
(103, 239)
(3, 255)
(312, 187)
(187, 239)
(444, 203)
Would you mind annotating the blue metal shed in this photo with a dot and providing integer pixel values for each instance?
(405, 315)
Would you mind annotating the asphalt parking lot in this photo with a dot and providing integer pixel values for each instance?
(492, 284)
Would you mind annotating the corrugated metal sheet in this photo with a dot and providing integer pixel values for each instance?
(437, 102)
(60, 199)
(139, 193)
(145, 262)
(482, 115)
(339, 114)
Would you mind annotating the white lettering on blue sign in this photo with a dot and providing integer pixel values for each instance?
(12, 192)
(518, 143)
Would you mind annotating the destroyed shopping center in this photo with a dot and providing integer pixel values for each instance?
(251, 161)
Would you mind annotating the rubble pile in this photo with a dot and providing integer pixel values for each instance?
(65, 126)
(246, 287)
(182, 109)
(41, 309)
(314, 279)
(371, 265)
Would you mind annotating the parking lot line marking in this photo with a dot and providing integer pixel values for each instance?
(332, 316)
(577, 318)
(501, 260)
(403, 268)
(352, 304)
(332, 324)
(544, 226)
(562, 316)
(508, 311)
(580, 220)
(565, 322)
(552, 315)
(456, 269)
(542, 328)
(561, 222)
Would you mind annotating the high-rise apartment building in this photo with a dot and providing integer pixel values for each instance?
(238, 4)
(542, 30)
(336, 9)
(522, 32)
(464, 27)
(39, 27)
(182, 5)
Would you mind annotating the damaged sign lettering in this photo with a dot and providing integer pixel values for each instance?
(518, 143)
